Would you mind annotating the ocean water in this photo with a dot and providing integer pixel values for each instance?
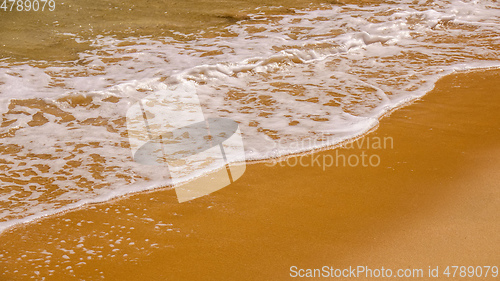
(295, 78)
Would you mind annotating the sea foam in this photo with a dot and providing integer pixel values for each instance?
(325, 75)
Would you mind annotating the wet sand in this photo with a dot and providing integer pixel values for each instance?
(433, 201)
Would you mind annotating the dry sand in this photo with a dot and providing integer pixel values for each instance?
(433, 201)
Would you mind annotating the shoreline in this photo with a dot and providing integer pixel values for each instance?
(282, 158)
(425, 193)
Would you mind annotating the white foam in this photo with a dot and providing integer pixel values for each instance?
(316, 77)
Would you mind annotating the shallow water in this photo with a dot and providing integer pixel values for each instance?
(295, 78)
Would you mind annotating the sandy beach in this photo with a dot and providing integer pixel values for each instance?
(249, 140)
(433, 200)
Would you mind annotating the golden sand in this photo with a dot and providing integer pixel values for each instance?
(433, 201)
